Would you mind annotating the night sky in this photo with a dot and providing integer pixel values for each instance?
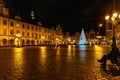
(72, 15)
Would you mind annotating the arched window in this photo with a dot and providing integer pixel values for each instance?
(4, 41)
(11, 41)
(23, 41)
(28, 42)
(32, 42)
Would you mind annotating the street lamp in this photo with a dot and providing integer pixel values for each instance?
(17, 39)
(114, 55)
(43, 37)
(56, 43)
(113, 20)
(99, 28)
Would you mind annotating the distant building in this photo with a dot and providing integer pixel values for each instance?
(108, 29)
(90, 37)
(77, 37)
(15, 31)
(109, 33)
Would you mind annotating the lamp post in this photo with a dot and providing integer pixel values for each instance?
(114, 55)
(99, 27)
(43, 37)
(17, 39)
(113, 20)
(56, 42)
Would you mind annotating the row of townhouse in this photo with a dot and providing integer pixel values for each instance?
(16, 32)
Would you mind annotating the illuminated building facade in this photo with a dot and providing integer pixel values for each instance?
(109, 33)
(16, 32)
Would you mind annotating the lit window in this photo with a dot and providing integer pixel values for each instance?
(17, 24)
(42, 30)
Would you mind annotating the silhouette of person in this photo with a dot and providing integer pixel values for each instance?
(112, 56)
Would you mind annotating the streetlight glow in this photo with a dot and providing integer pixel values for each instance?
(113, 20)
(17, 39)
(107, 17)
(43, 37)
(100, 25)
(119, 16)
(115, 15)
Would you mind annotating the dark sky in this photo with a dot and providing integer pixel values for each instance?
(72, 15)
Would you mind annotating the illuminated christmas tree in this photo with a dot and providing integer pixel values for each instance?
(82, 37)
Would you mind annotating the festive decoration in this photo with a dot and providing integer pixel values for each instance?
(82, 37)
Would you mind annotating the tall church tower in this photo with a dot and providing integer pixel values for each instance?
(32, 15)
(3, 9)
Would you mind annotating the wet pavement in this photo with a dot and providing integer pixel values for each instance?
(50, 63)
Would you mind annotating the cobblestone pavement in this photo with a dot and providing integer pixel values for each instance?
(50, 63)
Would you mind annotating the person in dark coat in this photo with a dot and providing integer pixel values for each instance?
(112, 56)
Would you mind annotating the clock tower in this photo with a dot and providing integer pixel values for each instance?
(3, 9)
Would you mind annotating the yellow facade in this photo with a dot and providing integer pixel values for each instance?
(15, 32)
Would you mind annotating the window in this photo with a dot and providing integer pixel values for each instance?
(4, 31)
(4, 22)
(36, 28)
(39, 29)
(32, 35)
(11, 32)
(36, 35)
(45, 36)
(17, 24)
(28, 27)
(18, 31)
(11, 23)
(45, 31)
(48, 36)
(27, 34)
(23, 26)
(23, 42)
(4, 41)
(1, 10)
(52, 34)
(32, 28)
(42, 30)
(11, 41)
(23, 33)
(39, 35)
